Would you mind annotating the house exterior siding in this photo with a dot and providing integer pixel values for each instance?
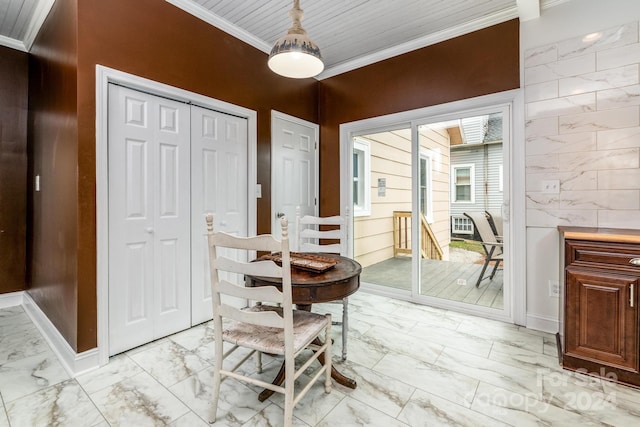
(391, 162)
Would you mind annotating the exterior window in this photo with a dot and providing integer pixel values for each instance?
(461, 225)
(426, 186)
(463, 184)
(361, 178)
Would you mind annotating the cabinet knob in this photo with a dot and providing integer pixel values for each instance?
(635, 261)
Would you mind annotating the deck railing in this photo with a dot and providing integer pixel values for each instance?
(429, 246)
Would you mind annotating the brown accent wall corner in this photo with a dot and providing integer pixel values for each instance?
(53, 155)
(13, 168)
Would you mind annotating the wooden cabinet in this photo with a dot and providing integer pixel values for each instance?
(601, 318)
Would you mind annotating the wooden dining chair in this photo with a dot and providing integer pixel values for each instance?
(311, 238)
(271, 326)
(492, 247)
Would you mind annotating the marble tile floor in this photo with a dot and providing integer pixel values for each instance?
(415, 366)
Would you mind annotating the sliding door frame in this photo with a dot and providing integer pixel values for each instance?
(515, 295)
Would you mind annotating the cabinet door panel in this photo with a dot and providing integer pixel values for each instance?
(601, 318)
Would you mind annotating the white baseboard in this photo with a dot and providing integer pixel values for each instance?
(11, 299)
(74, 363)
(543, 323)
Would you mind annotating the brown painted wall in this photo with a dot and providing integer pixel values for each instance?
(53, 146)
(480, 63)
(13, 168)
(188, 54)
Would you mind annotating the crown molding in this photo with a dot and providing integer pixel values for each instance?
(200, 12)
(12, 43)
(546, 4)
(40, 14)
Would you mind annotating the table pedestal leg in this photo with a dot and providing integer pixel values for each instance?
(337, 376)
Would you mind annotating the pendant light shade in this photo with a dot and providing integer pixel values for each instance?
(294, 54)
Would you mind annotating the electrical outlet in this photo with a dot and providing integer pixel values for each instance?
(551, 186)
(554, 288)
(461, 282)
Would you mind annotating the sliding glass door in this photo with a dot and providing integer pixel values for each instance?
(422, 193)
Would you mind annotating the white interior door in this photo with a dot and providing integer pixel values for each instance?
(149, 210)
(294, 166)
(219, 186)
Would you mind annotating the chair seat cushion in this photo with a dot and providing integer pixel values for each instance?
(306, 327)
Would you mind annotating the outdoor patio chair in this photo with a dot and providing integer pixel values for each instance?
(495, 219)
(492, 247)
(271, 326)
(310, 240)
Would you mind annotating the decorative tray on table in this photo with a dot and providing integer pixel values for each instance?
(305, 261)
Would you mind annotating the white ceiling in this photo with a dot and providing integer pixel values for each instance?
(350, 33)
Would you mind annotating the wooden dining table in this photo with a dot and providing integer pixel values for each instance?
(308, 288)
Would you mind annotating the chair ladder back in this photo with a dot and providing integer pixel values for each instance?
(309, 239)
(261, 293)
(262, 318)
(266, 268)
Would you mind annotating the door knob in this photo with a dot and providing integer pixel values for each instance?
(149, 230)
(279, 214)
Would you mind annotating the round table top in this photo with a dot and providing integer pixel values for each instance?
(309, 287)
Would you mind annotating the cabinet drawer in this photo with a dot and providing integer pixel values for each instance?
(617, 256)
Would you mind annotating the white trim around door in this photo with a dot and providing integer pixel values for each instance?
(515, 171)
(104, 76)
(294, 142)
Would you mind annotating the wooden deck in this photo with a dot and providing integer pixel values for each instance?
(439, 279)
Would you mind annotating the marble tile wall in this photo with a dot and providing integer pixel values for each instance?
(582, 109)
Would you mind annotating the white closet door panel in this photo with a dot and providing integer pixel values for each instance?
(137, 284)
(219, 147)
(149, 213)
(172, 182)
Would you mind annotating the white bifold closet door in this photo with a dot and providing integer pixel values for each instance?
(170, 164)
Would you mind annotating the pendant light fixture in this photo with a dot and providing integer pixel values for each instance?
(294, 54)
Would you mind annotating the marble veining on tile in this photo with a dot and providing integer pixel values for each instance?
(541, 55)
(24, 376)
(557, 70)
(64, 404)
(600, 80)
(474, 372)
(599, 40)
(574, 104)
(555, 217)
(600, 120)
(139, 400)
(618, 57)
(623, 179)
(618, 98)
(567, 143)
(619, 138)
(587, 147)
